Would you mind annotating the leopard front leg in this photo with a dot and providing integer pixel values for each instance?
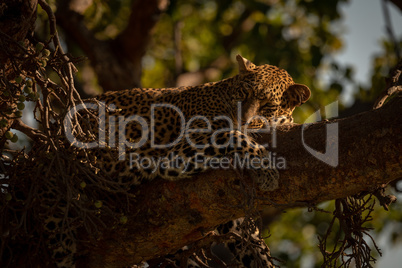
(219, 150)
(260, 162)
(61, 242)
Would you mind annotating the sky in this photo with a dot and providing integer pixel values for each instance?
(365, 27)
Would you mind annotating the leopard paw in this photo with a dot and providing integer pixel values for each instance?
(267, 179)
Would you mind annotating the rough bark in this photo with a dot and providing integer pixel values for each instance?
(169, 215)
(17, 20)
(117, 62)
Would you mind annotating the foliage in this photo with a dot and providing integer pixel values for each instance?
(295, 35)
(382, 63)
(203, 37)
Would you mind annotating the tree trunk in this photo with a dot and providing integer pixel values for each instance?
(117, 62)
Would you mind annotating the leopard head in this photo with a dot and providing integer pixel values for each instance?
(269, 91)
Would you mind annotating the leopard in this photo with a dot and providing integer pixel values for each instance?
(182, 124)
(216, 114)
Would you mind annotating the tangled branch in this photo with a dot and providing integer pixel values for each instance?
(350, 241)
(37, 184)
(393, 85)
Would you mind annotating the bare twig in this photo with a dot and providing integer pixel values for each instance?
(393, 85)
(349, 212)
(34, 134)
(385, 200)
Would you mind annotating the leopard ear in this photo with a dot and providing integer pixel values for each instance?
(300, 93)
(244, 64)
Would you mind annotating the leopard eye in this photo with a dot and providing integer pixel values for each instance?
(270, 106)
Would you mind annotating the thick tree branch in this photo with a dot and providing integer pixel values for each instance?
(169, 215)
